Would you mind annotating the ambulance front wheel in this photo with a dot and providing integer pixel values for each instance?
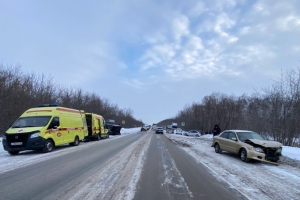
(13, 152)
(48, 146)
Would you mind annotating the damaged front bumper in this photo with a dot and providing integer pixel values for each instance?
(267, 158)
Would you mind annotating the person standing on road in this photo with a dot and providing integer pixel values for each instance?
(216, 130)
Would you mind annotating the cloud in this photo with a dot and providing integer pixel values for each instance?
(222, 23)
(180, 26)
(289, 23)
(134, 83)
(148, 45)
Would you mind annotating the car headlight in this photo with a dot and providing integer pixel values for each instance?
(36, 134)
(279, 150)
(258, 149)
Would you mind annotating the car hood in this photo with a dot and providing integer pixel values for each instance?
(266, 143)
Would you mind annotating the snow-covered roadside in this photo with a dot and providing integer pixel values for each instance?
(8, 162)
(287, 151)
(255, 180)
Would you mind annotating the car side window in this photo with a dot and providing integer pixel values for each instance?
(224, 135)
(231, 135)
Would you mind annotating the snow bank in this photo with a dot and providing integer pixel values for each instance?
(125, 131)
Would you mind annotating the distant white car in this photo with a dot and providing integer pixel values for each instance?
(159, 130)
(169, 130)
(178, 131)
(192, 133)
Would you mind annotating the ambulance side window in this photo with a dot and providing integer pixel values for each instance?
(54, 123)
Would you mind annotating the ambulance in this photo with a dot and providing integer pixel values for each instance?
(44, 127)
(95, 124)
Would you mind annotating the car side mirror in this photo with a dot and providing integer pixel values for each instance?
(234, 139)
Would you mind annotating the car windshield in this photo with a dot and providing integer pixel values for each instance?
(248, 135)
(24, 122)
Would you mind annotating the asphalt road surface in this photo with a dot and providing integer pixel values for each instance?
(57, 177)
(170, 173)
(112, 168)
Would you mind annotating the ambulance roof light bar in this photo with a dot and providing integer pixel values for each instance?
(48, 105)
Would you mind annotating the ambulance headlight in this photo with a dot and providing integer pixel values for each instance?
(36, 134)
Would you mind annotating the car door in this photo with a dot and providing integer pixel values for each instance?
(55, 132)
(222, 139)
(231, 143)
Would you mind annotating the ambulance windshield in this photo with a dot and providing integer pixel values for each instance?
(24, 122)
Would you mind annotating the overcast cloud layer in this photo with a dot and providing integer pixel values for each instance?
(153, 56)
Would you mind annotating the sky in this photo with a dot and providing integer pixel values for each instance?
(153, 56)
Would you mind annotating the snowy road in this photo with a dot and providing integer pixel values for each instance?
(115, 169)
(258, 181)
(170, 173)
(107, 169)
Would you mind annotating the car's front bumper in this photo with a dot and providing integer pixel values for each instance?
(37, 143)
(251, 154)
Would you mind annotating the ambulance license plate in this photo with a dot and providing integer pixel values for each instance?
(16, 143)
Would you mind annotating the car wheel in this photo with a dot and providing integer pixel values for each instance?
(98, 137)
(48, 146)
(243, 155)
(76, 142)
(217, 148)
(13, 152)
(197, 135)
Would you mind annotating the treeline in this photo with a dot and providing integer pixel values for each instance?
(19, 91)
(272, 111)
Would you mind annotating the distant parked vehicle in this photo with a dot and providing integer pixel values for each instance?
(169, 129)
(159, 130)
(192, 133)
(112, 127)
(178, 131)
(95, 124)
(154, 127)
(144, 128)
(174, 125)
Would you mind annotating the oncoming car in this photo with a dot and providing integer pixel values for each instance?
(159, 130)
(248, 145)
